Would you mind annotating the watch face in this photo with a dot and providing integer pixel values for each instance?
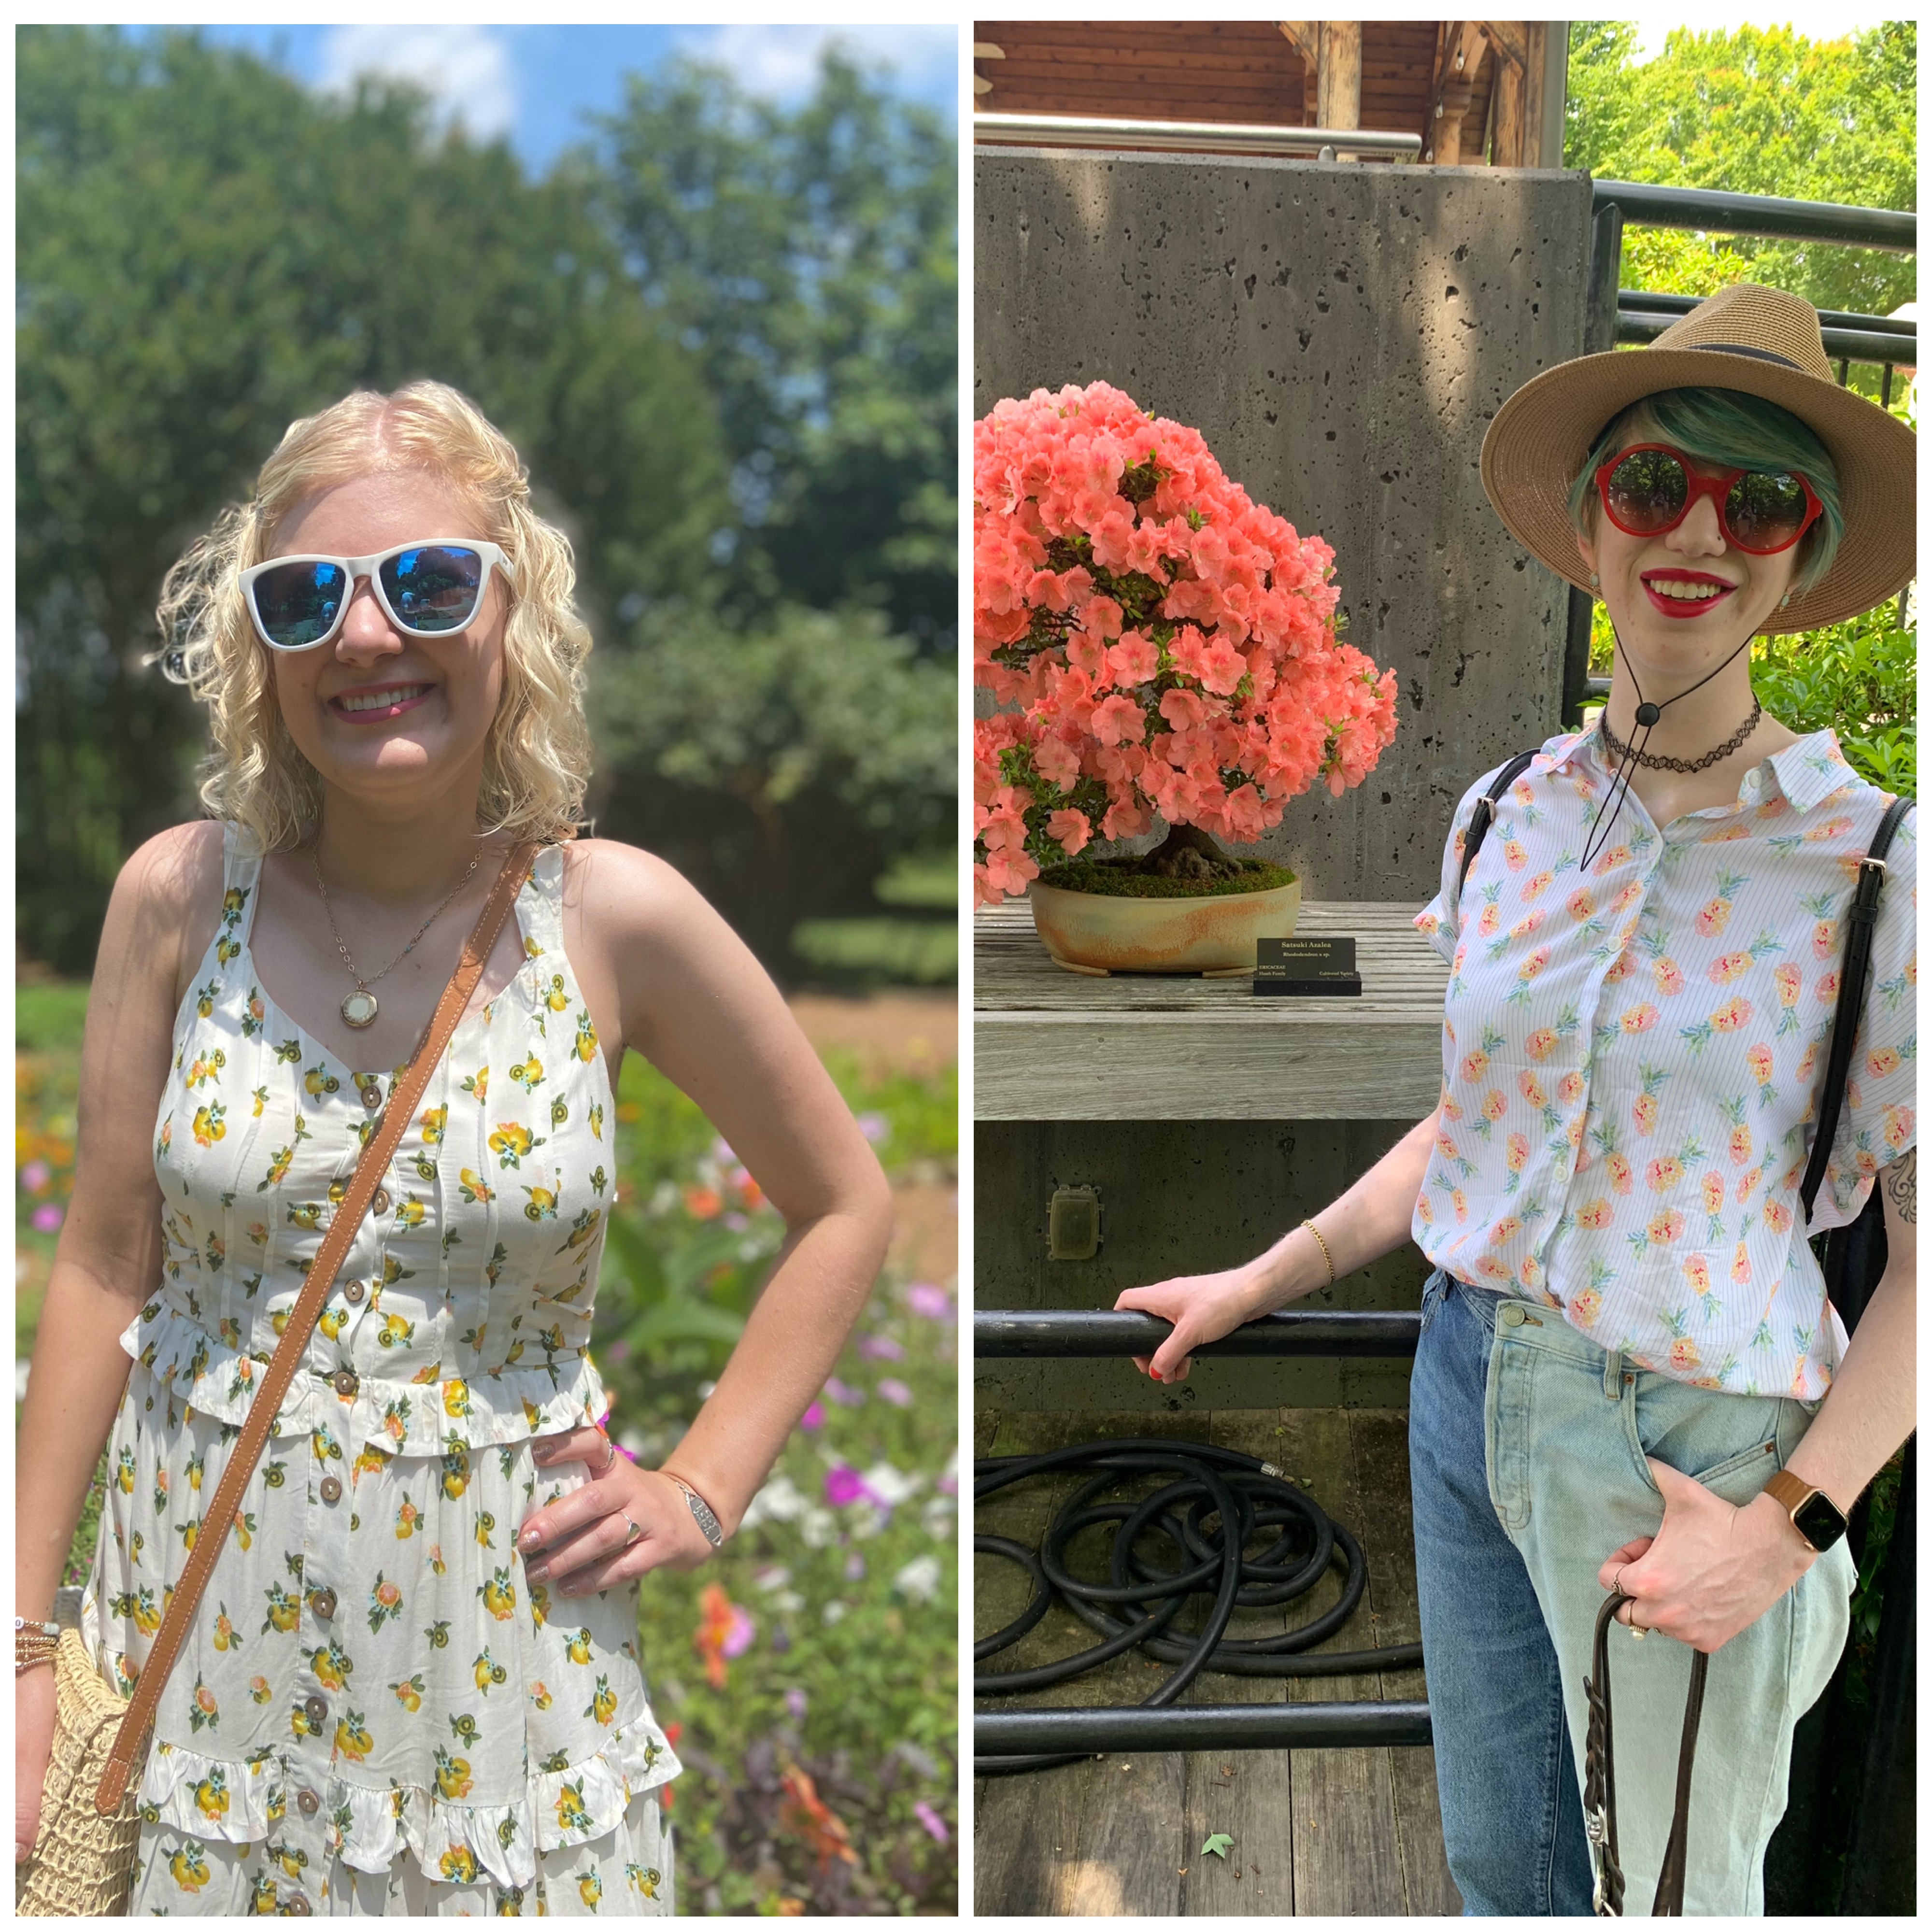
(1818, 1522)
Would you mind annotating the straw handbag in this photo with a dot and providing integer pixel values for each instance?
(83, 1857)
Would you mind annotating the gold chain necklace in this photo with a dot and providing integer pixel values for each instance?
(360, 1009)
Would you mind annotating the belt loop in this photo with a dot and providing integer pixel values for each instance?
(1613, 1375)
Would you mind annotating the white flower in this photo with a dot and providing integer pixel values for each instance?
(773, 1577)
(817, 1526)
(893, 1486)
(787, 1603)
(920, 1580)
(833, 1611)
(936, 1518)
(778, 1502)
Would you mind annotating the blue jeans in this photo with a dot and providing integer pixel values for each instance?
(1527, 1448)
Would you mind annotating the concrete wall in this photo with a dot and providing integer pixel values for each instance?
(1341, 335)
(1176, 1198)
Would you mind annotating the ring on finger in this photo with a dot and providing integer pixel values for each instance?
(634, 1529)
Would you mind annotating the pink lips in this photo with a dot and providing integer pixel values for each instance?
(1678, 607)
(376, 714)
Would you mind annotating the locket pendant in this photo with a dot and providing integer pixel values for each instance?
(359, 1010)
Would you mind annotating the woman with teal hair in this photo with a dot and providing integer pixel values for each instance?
(1629, 1378)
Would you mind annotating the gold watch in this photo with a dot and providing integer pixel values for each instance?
(1813, 1515)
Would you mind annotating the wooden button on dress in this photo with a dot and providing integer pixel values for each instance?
(323, 1603)
(352, 1292)
(331, 1489)
(346, 1383)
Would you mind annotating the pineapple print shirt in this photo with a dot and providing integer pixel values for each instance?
(1630, 1058)
(374, 1709)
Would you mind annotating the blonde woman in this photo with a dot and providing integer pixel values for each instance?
(413, 1685)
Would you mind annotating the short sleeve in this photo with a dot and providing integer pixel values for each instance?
(1879, 1123)
(1440, 921)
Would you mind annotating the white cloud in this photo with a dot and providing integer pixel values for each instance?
(465, 70)
(782, 62)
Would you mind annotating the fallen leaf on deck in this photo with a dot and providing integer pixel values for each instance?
(1218, 1844)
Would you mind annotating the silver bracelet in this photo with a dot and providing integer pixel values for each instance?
(706, 1517)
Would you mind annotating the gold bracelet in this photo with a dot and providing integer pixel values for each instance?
(1326, 1256)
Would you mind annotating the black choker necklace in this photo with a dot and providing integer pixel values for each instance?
(1647, 716)
(1655, 761)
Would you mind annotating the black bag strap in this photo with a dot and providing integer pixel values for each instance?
(1861, 923)
(1480, 819)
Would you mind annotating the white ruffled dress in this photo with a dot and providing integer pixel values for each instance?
(375, 1712)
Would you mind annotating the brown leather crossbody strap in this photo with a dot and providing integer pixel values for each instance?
(370, 1166)
(1599, 1782)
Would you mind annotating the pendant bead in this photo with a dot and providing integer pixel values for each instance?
(1648, 713)
(359, 1009)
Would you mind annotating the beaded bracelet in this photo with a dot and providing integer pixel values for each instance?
(34, 1643)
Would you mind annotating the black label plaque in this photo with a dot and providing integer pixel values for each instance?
(1305, 967)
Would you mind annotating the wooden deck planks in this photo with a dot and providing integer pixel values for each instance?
(1249, 1795)
(1347, 1833)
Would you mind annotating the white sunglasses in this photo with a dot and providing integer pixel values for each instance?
(432, 588)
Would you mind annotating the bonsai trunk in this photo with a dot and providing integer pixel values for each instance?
(1188, 853)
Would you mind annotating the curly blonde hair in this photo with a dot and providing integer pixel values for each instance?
(537, 758)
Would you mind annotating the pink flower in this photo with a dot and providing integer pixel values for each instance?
(844, 1485)
(843, 1393)
(1117, 720)
(926, 1298)
(37, 1177)
(1071, 829)
(880, 1348)
(814, 1418)
(47, 1216)
(895, 1392)
(932, 1820)
(1134, 660)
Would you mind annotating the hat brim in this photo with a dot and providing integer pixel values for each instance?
(1540, 437)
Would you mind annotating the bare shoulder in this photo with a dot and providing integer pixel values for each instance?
(624, 896)
(166, 903)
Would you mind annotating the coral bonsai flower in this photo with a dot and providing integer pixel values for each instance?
(1160, 642)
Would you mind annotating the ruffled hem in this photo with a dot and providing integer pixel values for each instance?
(408, 1418)
(244, 1801)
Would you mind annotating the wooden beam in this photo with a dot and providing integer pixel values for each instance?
(1464, 48)
(1338, 95)
(1536, 55)
(1304, 38)
(1506, 144)
(1509, 37)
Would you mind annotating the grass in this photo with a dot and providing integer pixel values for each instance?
(809, 1673)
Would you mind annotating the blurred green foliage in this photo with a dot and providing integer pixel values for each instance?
(721, 333)
(1754, 110)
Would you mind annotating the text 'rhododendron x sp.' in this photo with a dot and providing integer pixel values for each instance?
(1161, 642)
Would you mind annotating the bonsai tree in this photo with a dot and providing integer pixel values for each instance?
(1158, 642)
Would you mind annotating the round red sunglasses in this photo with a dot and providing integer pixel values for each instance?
(1649, 488)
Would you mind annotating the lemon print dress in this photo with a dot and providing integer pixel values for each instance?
(375, 1710)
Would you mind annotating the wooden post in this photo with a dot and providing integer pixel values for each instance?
(1464, 46)
(1507, 146)
(1535, 90)
(1338, 92)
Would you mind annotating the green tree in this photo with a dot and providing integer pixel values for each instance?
(781, 765)
(1753, 111)
(206, 251)
(807, 258)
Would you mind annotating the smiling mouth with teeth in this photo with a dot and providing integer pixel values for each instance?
(1683, 592)
(382, 700)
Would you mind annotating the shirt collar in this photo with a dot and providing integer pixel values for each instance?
(1806, 772)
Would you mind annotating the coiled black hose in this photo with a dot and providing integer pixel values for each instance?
(1207, 1482)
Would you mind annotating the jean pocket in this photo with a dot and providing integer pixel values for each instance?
(1697, 1432)
(1433, 1290)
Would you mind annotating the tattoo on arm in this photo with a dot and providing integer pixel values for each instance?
(1900, 1181)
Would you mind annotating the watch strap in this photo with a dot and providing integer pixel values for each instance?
(1793, 1493)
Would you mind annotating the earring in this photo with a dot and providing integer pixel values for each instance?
(1784, 600)
(1595, 580)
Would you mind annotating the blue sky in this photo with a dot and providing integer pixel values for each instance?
(535, 83)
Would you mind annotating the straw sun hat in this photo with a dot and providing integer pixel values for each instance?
(1760, 340)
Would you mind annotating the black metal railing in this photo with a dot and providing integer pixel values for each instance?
(1040, 1333)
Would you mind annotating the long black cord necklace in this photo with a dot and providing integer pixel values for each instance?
(1630, 755)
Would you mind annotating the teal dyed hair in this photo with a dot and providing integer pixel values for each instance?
(1726, 428)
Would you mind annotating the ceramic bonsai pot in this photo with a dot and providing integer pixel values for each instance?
(1099, 932)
